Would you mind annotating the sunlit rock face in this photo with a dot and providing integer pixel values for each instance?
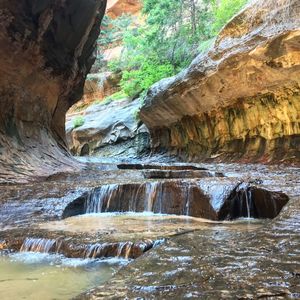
(241, 100)
(46, 50)
(116, 8)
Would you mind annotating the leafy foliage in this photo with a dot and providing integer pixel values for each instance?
(150, 71)
(224, 12)
(78, 121)
(173, 33)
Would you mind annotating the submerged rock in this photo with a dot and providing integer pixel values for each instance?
(46, 51)
(239, 101)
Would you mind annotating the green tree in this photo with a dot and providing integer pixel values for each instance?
(224, 11)
(174, 32)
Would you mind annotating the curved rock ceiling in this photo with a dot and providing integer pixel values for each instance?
(46, 50)
(239, 101)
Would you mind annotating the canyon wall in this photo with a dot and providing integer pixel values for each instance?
(239, 101)
(46, 51)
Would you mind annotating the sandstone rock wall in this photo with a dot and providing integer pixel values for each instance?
(46, 50)
(239, 101)
(116, 8)
(110, 130)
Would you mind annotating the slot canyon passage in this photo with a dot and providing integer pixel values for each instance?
(161, 185)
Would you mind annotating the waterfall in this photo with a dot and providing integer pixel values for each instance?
(135, 199)
(95, 250)
(124, 249)
(247, 204)
(151, 194)
(167, 197)
(37, 245)
(99, 199)
(187, 205)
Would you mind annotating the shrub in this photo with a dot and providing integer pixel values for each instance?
(78, 121)
(135, 81)
(224, 12)
(114, 65)
(171, 36)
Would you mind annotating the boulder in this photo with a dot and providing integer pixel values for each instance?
(252, 202)
(109, 130)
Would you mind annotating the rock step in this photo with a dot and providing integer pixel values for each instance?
(210, 198)
(158, 167)
(175, 174)
(75, 249)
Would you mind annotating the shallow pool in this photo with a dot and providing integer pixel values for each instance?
(44, 276)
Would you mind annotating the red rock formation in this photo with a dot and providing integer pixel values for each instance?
(116, 8)
(46, 51)
(239, 101)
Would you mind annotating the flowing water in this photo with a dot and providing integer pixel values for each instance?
(142, 225)
(120, 211)
(38, 276)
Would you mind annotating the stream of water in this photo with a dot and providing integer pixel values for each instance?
(119, 214)
(44, 276)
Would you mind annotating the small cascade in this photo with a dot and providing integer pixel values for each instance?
(124, 249)
(158, 242)
(95, 250)
(187, 205)
(174, 197)
(247, 205)
(244, 197)
(252, 202)
(152, 194)
(37, 245)
(243, 202)
(99, 199)
(132, 203)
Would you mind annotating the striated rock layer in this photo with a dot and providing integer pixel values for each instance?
(109, 130)
(46, 50)
(239, 101)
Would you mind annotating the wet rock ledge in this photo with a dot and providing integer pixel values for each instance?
(46, 51)
(241, 100)
(69, 221)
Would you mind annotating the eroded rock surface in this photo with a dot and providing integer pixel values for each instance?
(109, 130)
(214, 198)
(116, 8)
(239, 101)
(46, 50)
